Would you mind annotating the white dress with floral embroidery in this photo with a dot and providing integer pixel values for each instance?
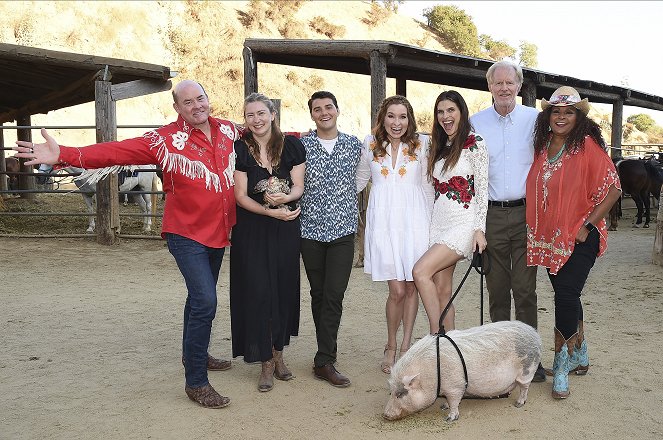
(399, 210)
(461, 198)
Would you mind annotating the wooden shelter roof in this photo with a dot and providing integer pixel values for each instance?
(430, 66)
(34, 80)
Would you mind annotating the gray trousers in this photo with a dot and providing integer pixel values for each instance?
(506, 234)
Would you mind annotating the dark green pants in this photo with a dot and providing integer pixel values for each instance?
(328, 266)
(506, 234)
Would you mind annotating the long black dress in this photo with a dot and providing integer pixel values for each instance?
(264, 265)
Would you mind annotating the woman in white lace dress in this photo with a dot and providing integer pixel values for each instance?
(458, 167)
(398, 215)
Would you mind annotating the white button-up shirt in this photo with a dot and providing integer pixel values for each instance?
(509, 140)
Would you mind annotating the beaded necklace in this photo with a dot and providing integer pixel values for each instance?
(549, 168)
(558, 155)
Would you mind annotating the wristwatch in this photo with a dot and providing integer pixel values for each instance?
(590, 227)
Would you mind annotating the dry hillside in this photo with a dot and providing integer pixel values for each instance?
(203, 40)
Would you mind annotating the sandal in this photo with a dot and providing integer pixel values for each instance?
(385, 366)
(402, 352)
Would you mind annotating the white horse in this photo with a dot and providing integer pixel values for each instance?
(142, 180)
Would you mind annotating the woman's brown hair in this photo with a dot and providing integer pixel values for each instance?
(575, 141)
(411, 138)
(439, 137)
(276, 140)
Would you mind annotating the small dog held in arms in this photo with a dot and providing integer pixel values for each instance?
(274, 185)
(499, 356)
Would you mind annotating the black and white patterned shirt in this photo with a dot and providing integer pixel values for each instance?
(329, 203)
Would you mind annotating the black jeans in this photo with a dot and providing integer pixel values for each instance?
(569, 282)
(328, 266)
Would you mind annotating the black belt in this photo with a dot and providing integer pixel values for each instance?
(507, 203)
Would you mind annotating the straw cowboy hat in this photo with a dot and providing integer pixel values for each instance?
(565, 96)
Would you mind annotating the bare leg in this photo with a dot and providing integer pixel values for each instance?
(411, 305)
(394, 311)
(437, 258)
(443, 284)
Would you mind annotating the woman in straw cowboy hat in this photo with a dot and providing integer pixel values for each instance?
(571, 186)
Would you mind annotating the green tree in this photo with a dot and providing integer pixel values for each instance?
(496, 49)
(641, 121)
(455, 28)
(528, 54)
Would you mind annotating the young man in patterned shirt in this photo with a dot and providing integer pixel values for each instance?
(329, 222)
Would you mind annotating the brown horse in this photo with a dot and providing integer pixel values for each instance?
(639, 178)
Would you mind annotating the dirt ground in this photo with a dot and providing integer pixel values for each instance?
(90, 348)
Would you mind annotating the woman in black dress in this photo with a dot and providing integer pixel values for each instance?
(264, 258)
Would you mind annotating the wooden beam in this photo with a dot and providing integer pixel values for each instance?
(616, 135)
(528, 92)
(378, 83)
(139, 87)
(250, 72)
(81, 61)
(277, 106)
(401, 86)
(108, 205)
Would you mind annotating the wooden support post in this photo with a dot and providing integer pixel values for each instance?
(108, 206)
(657, 257)
(378, 83)
(378, 93)
(25, 182)
(3, 168)
(250, 72)
(616, 135)
(277, 106)
(528, 92)
(401, 86)
(616, 151)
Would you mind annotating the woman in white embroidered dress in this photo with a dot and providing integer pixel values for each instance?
(458, 166)
(398, 214)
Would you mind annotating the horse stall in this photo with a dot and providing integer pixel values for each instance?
(64, 80)
(66, 207)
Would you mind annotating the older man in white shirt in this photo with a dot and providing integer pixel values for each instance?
(508, 130)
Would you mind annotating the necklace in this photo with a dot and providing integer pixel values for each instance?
(559, 153)
(549, 167)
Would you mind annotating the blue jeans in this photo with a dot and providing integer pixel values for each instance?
(200, 266)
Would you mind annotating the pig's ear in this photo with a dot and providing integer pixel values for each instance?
(409, 381)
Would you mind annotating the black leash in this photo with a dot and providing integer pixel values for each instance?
(481, 263)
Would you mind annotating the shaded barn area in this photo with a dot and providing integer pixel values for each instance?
(35, 81)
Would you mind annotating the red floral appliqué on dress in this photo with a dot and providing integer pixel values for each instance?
(458, 188)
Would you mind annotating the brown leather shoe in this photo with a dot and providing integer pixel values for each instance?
(206, 396)
(330, 374)
(214, 364)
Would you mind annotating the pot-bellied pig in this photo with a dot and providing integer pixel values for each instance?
(498, 357)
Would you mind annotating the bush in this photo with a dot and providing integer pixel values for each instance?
(292, 29)
(322, 26)
(455, 28)
(376, 15)
(642, 122)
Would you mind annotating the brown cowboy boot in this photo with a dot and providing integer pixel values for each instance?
(281, 371)
(266, 380)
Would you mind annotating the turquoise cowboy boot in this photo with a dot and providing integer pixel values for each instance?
(561, 366)
(579, 361)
